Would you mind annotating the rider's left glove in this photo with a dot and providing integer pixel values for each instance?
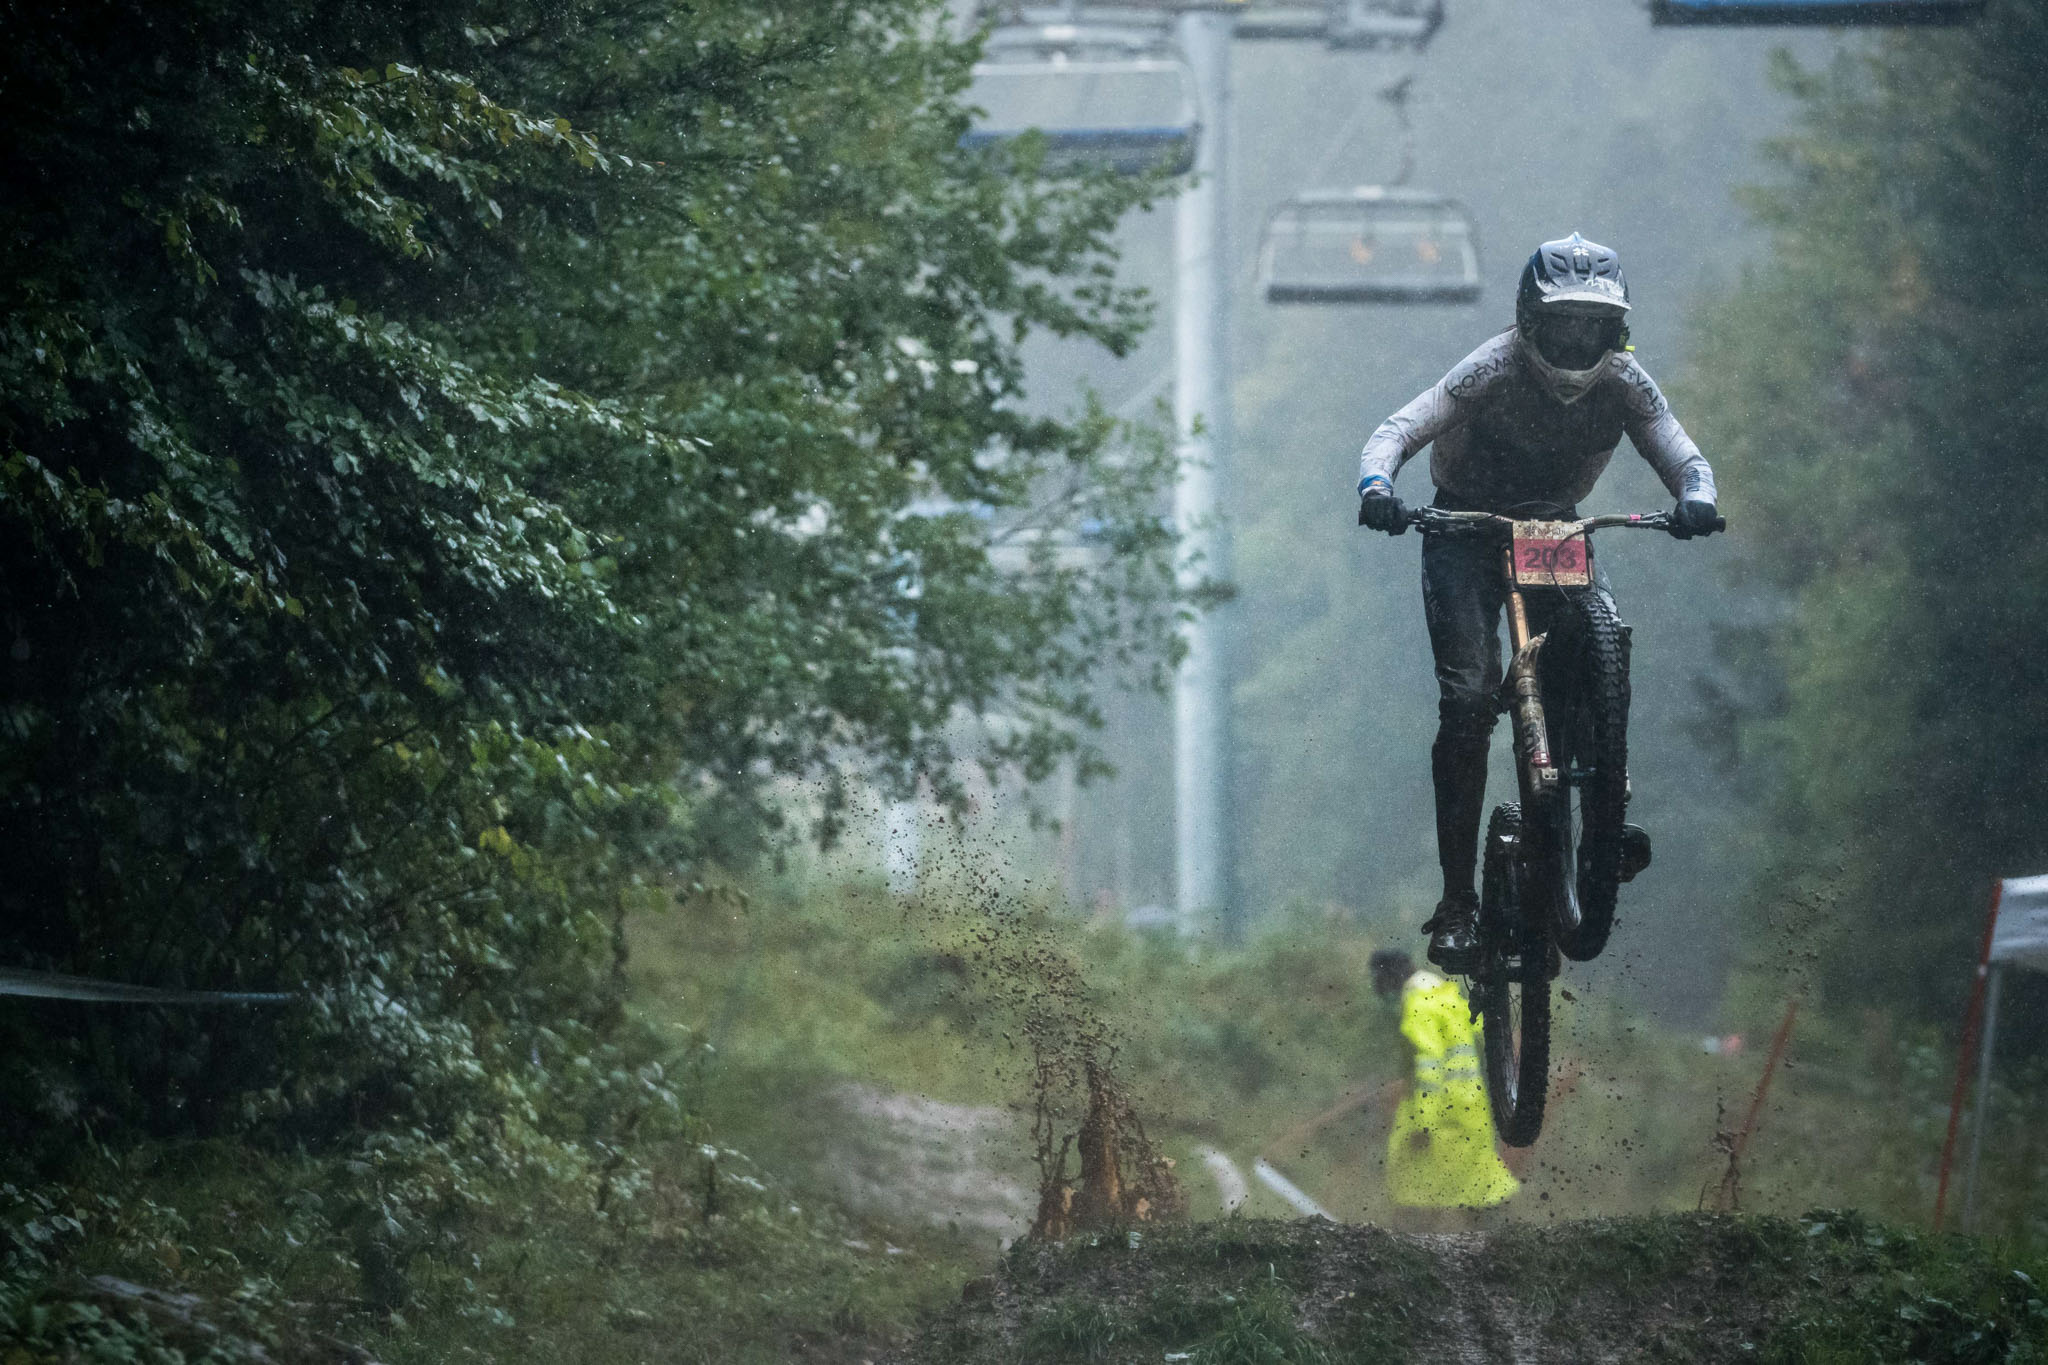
(1695, 517)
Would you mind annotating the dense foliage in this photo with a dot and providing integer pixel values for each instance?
(454, 460)
(1872, 396)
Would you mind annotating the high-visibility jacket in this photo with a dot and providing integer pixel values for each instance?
(1441, 1154)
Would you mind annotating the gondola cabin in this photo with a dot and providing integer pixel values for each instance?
(1391, 24)
(1130, 116)
(1375, 244)
(1837, 13)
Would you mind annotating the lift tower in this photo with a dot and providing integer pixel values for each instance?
(1201, 34)
(1204, 840)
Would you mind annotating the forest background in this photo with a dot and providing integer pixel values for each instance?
(455, 465)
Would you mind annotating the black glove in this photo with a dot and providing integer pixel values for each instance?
(1695, 517)
(1381, 510)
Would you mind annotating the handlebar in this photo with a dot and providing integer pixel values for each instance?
(1438, 521)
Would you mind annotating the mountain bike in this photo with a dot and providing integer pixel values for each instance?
(1554, 861)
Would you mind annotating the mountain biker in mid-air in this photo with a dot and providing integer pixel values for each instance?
(1523, 427)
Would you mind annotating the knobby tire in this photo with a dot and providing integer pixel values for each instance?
(1586, 701)
(1513, 987)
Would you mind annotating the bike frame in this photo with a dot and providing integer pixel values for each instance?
(1535, 767)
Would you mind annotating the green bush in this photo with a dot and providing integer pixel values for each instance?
(452, 463)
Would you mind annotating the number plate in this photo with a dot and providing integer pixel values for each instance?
(1551, 554)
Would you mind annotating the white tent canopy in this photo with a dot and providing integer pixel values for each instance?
(2015, 935)
(2020, 934)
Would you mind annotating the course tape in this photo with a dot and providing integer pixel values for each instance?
(52, 986)
(1288, 1190)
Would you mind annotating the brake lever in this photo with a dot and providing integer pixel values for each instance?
(1678, 531)
(1429, 519)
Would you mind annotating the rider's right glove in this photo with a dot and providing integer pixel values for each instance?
(1379, 508)
(1695, 517)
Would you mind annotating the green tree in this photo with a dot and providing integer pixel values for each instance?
(453, 458)
(1872, 394)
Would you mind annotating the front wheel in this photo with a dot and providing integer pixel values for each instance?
(1586, 700)
(1512, 987)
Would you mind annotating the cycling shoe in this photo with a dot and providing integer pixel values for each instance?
(1454, 934)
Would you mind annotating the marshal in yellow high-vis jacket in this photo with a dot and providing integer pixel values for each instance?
(1440, 1154)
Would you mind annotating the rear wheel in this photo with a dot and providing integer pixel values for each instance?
(1585, 701)
(1512, 987)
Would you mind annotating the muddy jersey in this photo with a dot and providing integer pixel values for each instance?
(1502, 441)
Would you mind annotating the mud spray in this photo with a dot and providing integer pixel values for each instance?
(1097, 1166)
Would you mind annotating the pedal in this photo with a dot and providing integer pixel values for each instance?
(1635, 851)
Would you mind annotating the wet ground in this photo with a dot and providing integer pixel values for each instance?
(1672, 1287)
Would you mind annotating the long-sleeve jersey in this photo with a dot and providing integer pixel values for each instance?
(1503, 441)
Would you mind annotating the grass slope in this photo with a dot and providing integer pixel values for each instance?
(234, 1249)
(808, 1201)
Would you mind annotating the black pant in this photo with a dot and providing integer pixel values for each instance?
(1463, 593)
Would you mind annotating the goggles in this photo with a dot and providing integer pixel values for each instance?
(1575, 341)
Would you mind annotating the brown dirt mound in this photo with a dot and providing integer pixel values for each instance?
(1676, 1287)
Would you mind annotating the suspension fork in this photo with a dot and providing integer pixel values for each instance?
(1535, 765)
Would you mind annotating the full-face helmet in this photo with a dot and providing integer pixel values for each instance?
(1569, 311)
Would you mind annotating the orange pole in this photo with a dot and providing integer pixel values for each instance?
(1729, 1194)
(1971, 1018)
(1763, 1086)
